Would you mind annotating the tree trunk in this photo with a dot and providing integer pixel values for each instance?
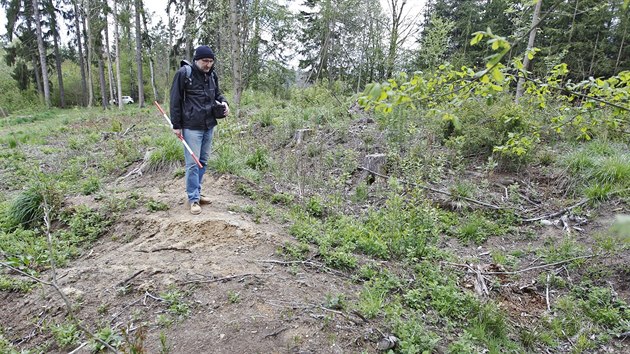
(393, 39)
(520, 86)
(623, 39)
(117, 39)
(151, 61)
(77, 24)
(88, 50)
(167, 72)
(110, 74)
(42, 52)
(55, 31)
(38, 78)
(236, 57)
(62, 93)
(590, 68)
(575, 9)
(188, 23)
(138, 6)
(101, 77)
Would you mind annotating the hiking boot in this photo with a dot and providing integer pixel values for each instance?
(204, 200)
(195, 208)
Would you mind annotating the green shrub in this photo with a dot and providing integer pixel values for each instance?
(315, 206)
(282, 198)
(27, 209)
(227, 160)
(87, 224)
(91, 185)
(169, 152)
(259, 160)
(65, 334)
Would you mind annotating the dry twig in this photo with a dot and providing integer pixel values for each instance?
(487, 205)
(306, 263)
(230, 277)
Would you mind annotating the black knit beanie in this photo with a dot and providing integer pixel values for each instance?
(203, 51)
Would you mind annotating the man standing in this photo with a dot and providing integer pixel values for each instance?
(194, 96)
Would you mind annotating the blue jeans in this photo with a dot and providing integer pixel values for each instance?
(200, 142)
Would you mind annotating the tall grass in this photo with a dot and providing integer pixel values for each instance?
(598, 168)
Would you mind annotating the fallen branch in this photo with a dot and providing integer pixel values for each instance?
(546, 265)
(526, 269)
(122, 283)
(276, 332)
(316, 306)
(547, 293)
(114, 316)
(128, 129)
(306, 263)
(140, 169)
(561, 212)
(79, 348)
(565, 210)
(487, 205)
(230, 277)
(171, 249)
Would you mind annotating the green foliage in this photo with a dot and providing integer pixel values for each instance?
(14, 285)
(134, 343)
(27, 209)
(489, 326)
(282, 198)
(175, 302)
(107, 335)
(91, 185)
(234, 297)
(315, 206)
(6, 346)
(259, 160)
(227, 160)
(155, 205)
(477, 228)
(292, 251)
(415, 337)
(87, 224)
(65, 334)
(169, 152)
(598, 168)
(561, 250)
(14, 99)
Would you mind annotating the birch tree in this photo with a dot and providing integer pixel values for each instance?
(117, 53)
(139, 9)
(520, 86)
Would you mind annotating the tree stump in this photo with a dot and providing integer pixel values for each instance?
(373, 164)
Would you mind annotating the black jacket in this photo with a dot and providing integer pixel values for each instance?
(192, 100)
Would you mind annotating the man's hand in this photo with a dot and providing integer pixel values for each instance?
(227, 108)
(177, 132)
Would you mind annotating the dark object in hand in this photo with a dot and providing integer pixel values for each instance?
(218, 111)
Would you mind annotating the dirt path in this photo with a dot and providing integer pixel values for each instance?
(221, 266)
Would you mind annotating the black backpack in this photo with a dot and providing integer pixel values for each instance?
(218, 110)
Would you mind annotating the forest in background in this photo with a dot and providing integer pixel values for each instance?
(347, 43)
